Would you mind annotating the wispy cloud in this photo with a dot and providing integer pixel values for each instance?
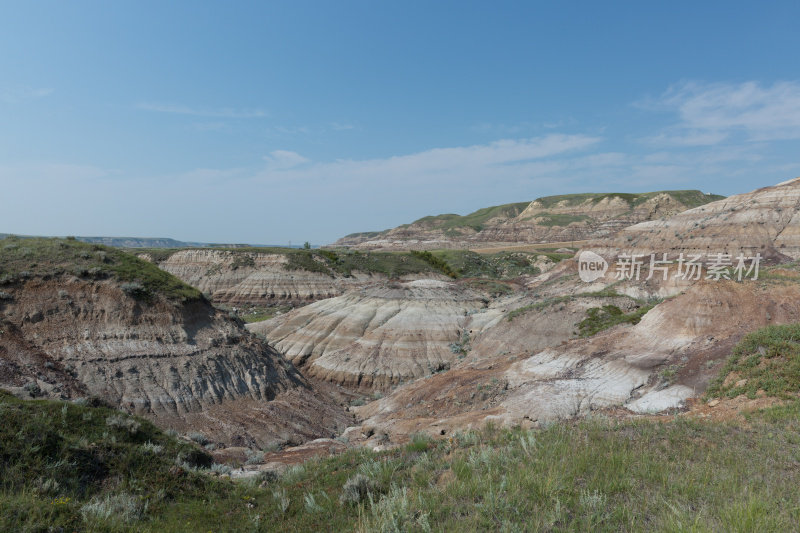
(13, 94)
(438, 167)
(284, 159)
(224, 112)
(713, 113)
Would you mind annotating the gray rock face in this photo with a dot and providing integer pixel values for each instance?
(377, 336)
(167, 361)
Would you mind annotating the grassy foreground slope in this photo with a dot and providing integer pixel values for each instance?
(94, 469)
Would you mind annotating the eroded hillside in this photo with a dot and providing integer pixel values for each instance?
(551, 219)
(765, 221)
(85, 320)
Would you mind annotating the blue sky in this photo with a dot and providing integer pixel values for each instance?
(269, 122)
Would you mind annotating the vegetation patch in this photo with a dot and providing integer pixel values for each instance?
(492, 287)
(602, 318)
(436, 262)
(689, 198)
(475, 220)
(537, 306)
(501, 265)
(22, 258)
(767, 359)
(61, 467)
(559, 219)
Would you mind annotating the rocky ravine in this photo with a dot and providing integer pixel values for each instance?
(382, 336)
(556, 219)
(184, 365)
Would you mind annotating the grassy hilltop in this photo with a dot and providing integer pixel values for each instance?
(21, 259)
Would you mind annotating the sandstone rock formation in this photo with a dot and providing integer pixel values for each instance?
(567, 218)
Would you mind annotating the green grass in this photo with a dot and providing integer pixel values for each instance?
(557, 219)
(474, 220)
(602, 318)
(768, 359)
(436, 262)
(548, 302)
(391, 264)
(689, 198)
(596, 475)
(501, 265)
(48, 258)
(255, 313)
(544, 304)
(453, 263)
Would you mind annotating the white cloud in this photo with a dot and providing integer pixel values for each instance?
(713, 113)
(284, 159)
(178, 109)
(496, 162)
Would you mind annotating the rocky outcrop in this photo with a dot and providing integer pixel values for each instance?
(184, 365)
(378, 336)
(765, 221)
(552, 219)
(256, 278)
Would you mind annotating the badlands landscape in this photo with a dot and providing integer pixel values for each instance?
(454, 373)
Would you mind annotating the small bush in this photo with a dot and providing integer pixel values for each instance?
(254, 457)
(123, 423)
(419, 442)
(149, 447)
(32, 388)
(199, 438)
(134, 289)
(357, 489)
(122, 507)
(221, 469)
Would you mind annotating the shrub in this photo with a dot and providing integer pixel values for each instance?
(134, 289)
(32, 388)
(149, 447)
(123, 507)
(254, 457)
(357, 489)
(123, 423)
(199, 438)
